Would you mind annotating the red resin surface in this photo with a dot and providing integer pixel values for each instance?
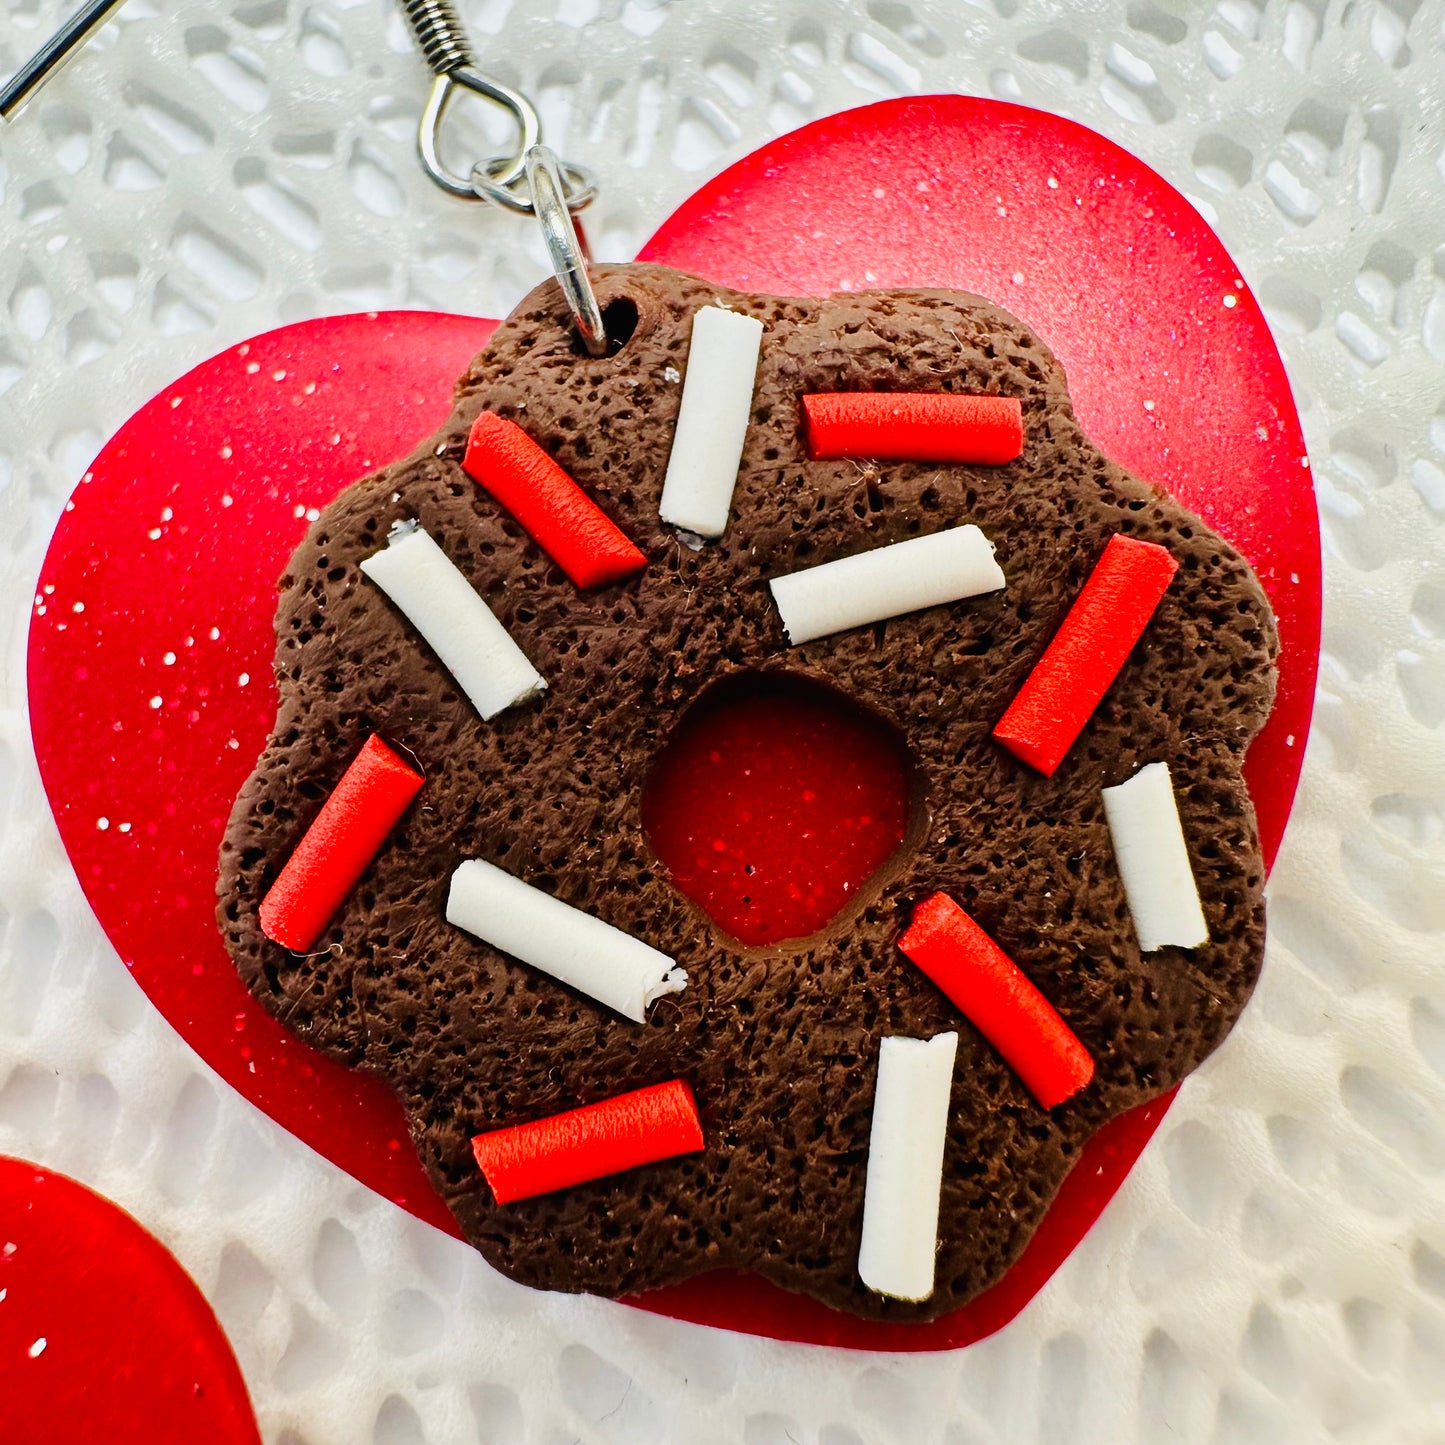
(771, 806)
(103, 1336)
(151, 642)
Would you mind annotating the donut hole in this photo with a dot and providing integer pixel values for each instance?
(774, 802)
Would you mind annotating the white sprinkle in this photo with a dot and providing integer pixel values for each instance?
(1148, 406)
(1289, 740)
(672, 374)
(38, 1348)
(125, 827)
(155, 702)
(616, 969)
(712, 423)
(154, 534)
(226, 499)
(312, 514)
(1231, 301)
(1018, 278)
(310, 388)
(215, 634)
(244, 679)
(252, 367)
(886, 582)
(1294, 577)
(1153, 861)
(299, 510)
(49, 589)
(1053, 183)
(233, 743)
(77, 606)
(905, 1165)
(102, 824)
(459, 626)
(169, 659)
(175, 402)
(278, 375)
(166, 514)
(226, 454)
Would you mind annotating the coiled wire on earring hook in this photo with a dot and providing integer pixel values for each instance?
(438, 30)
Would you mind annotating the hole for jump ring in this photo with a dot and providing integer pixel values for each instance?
(619, 321)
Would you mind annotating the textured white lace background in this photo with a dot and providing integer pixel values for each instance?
(1274, 1269)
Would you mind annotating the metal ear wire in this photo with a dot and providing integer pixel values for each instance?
(529, 181)
(448, 54)
(51, 56)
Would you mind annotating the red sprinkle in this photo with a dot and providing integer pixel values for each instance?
(1108, 617)
(914, 426)
(997, 999)
(556, 513)
(338, 846)
(581, 1144)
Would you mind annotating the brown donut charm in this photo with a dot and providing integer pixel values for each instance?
(778, 1042)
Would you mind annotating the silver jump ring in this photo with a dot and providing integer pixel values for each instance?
(569, 261)
(579, 186)
(529, 127)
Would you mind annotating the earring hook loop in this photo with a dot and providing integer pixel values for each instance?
(509, 169)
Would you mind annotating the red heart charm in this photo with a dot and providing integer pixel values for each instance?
(103, 1336)
(151, 644)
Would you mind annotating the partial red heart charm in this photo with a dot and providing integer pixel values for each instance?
(103, 1336)
(151, 646)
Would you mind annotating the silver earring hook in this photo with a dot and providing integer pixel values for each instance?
(554, 189)
(428, 136)
(448, 54)
(43, 65)
(529, 181)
